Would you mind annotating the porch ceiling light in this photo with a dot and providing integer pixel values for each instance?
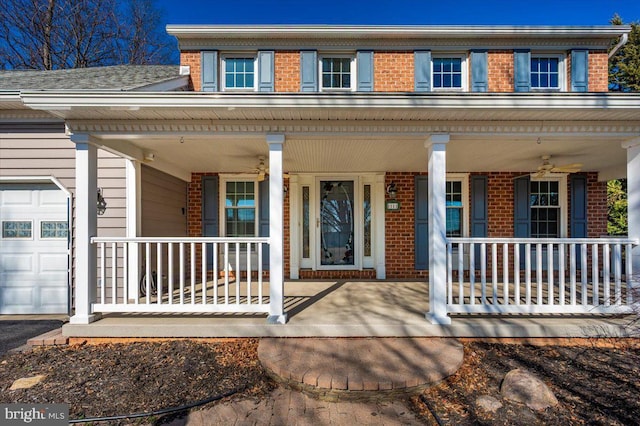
(392, 190)
(102, 204)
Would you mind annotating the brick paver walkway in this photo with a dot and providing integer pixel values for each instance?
(342, 368)
(287, 407)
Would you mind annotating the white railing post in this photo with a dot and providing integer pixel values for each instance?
(633, 206)
(86, 224)
(276, 230)
(436, 147)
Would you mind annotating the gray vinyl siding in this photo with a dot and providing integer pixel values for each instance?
(164, 204)
(53, 154)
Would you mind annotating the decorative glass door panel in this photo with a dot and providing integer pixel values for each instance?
(336, 222)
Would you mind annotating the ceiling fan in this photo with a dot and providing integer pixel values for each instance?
(263, 171)
(547, 167)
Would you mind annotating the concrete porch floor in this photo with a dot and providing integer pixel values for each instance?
(351, 309)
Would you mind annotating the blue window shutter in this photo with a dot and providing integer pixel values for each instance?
(522, 70)
(209, 72)
(308, 71)
(421, 223)
(521, 208)
(266, 73)
(579, 70)
(364, 62)
(479, 216)
(422, 70)
(578, 221)
(210, 216)
(263, 218)
(479, 73)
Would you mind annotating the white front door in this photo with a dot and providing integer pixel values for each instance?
(337, 222)
(34, 254)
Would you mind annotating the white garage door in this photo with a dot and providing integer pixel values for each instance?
(33, 249)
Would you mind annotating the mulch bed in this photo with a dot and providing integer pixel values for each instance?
(115, 379)
(594, 385)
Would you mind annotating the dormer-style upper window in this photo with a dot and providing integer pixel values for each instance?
(337, 72)
(239, 73)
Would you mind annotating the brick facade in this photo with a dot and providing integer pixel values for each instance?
(500, 71)
(287, 71)
(598, 71)
(393, 71)
(399, 226)
(192, 60)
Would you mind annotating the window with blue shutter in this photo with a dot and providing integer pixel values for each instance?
(209, 72)
(479, 210)
(422, 70)
(578, 220)
(210, 216)
(263, 218)
(479, 73)
(579, 70)
(266, 71)
(522, 70)
(364, 62)
(308, 71)
(421, 223)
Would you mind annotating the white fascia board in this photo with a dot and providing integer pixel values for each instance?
(61, 102)
(355, 31)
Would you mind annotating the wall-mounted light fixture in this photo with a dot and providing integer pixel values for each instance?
(392, 190)
(285, 190)
(102, 204)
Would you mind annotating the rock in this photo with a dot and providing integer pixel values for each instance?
(27, 382)
(488, 403)
(522, 386)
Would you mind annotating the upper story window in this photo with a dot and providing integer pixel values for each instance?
(239, 72)
(337, 72)
(448, 72)
(547, 72)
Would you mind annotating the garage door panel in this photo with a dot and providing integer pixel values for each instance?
(17, 263)
(33, 267)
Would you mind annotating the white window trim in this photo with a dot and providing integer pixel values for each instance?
(562, 71)
(463, 68)
(354, 75)
(466, 204)
(224, 178)
(562, 180)
(223, 75)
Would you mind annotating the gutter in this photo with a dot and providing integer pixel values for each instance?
(622, 42)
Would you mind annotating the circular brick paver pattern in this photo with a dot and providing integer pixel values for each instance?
(361, 368)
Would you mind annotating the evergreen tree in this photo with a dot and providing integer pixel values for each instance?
(624, 66)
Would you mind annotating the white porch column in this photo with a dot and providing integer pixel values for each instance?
(436, 146)
(134, 221)
(276, 231)
(86, 225)
(633, 199)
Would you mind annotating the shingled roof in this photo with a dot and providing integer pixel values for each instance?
(117, 77)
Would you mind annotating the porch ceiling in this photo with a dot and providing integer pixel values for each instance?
(375, 153)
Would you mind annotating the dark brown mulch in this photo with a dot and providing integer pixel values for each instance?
(114, 379)
(594, 386)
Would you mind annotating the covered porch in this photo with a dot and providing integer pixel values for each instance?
(369, 142)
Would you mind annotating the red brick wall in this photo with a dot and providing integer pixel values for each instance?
(192, 59)
(287, 71)
(393, 71)
(596, 206)
(400, 232)
(598, 71)
(500, 71)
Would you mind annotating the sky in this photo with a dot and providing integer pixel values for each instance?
(400, 12)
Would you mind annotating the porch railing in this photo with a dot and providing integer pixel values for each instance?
(181, 275)
(530, 275)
